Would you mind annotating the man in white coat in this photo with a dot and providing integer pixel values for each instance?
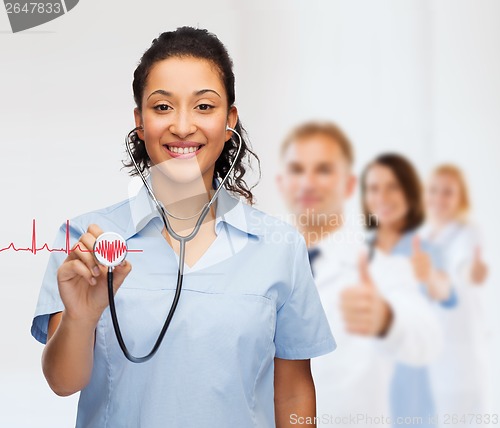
(376, 312)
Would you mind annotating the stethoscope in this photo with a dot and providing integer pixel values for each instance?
(110, 249)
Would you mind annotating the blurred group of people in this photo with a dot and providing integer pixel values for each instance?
(403, 297)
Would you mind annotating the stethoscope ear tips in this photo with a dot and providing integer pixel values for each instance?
(110, 249)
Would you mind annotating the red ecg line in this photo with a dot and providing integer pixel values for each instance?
(111, 250)
(67, 249)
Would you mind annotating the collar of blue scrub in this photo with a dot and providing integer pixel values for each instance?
(229, 210)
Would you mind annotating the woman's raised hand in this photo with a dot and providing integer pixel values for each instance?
(82, 281)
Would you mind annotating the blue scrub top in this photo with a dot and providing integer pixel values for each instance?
(251, 297)
(411, 392)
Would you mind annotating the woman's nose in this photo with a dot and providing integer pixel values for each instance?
(182, 125)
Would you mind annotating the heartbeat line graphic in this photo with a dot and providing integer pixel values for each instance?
(108, 249)
(111, 250)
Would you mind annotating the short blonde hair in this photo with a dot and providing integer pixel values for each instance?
(457, 174)
(326, 128)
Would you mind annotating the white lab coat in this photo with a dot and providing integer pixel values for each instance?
(352, 383)
(460, 376)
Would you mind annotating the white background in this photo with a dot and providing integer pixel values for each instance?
(421, 77)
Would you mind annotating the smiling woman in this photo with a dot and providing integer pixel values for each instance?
(185, 124)
(237, 352)
(173, 58)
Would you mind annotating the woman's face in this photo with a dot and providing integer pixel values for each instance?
(384, 197)
(184, 115)
(442, 198)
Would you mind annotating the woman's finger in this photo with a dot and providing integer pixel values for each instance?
(72, 268)
(95, 230)
(84, 251)
(120, 273)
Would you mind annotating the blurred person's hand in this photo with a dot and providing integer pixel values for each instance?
(421, 262)
(478, 269)
(437, 282)
(364, 310)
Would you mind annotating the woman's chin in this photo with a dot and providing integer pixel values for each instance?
(388, 221)
(442, 218)
(180, 171)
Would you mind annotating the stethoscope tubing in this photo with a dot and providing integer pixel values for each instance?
(182, 251)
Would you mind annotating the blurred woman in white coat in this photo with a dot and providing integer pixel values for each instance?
(460, 376)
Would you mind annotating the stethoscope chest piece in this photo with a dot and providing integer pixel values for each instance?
(110, 249)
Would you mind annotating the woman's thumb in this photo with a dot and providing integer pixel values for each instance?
(416, 244)
(364, 271)
(120, 272)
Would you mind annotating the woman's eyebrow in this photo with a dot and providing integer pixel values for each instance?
(203, 91)
(170, 94)
(160, 91)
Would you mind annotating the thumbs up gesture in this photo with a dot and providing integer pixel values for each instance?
(421, 262)
(478, 269)
(437, 282)
(364, 310)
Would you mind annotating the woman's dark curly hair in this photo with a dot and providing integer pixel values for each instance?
(196, 43)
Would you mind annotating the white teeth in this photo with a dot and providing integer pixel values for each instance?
(183, 150)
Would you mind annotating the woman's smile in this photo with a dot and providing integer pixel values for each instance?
(183, 150)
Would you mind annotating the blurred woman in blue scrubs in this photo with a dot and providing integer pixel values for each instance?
(238, 349)
(460, 376)
(392, 193)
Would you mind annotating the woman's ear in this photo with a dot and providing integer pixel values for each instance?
(138, 122)
(232, 120)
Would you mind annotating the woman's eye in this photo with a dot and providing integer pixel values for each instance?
(161, 107)
(205, 107)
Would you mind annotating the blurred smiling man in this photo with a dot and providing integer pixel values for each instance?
(373, 304)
